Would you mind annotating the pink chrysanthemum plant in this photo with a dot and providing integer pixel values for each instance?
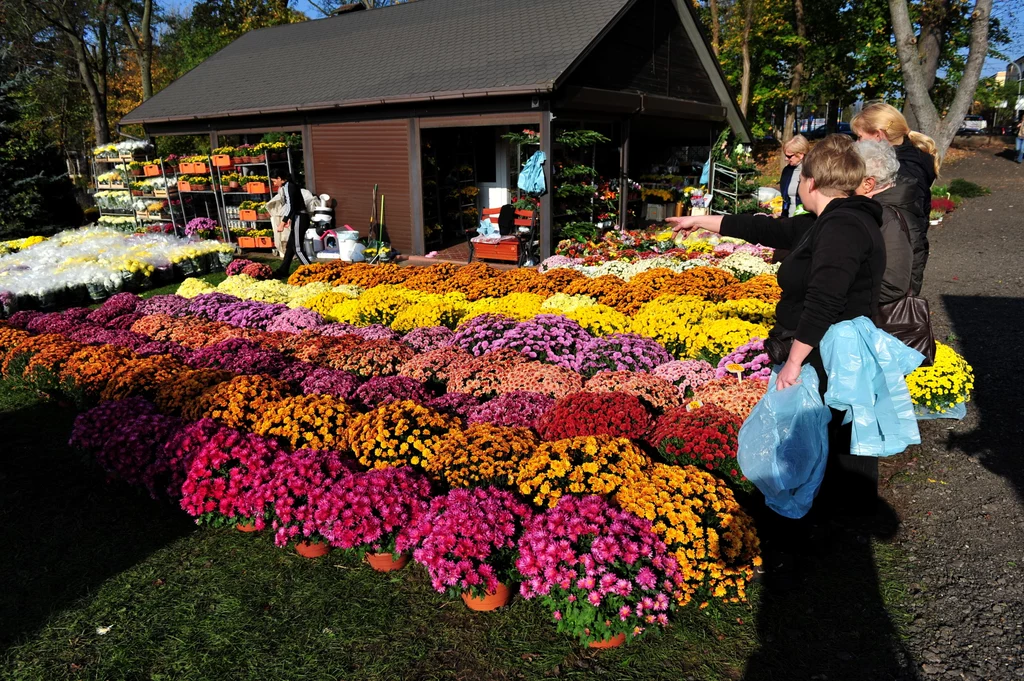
(467, 540)
(227, 479)
(371, 512)
(296, 490)
(602, 572)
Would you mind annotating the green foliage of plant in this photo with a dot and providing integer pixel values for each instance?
(576, 139)
(576, 170)
(575, 190)
(967, 189)
(577, 231)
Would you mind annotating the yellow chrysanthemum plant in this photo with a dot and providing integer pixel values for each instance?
(703, 525)
(580, 466)
(944, 386)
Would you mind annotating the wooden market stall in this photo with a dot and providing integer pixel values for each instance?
(424, 98)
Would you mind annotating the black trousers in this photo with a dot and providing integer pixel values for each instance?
(299, 223)
(849, 488)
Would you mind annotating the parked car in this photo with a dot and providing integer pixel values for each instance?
(973, 125)
(822, 130)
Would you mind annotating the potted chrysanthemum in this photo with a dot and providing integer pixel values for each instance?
(371, 513)
(605, 575)
(467, 543)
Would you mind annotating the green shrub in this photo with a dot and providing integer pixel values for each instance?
(968, 190)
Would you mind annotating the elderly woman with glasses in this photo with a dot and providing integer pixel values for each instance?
(794, 151)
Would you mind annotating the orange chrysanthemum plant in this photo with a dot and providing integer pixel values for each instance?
(238, 403)
(483, 454)
(308, 422)
(398, 433)
(699, 519)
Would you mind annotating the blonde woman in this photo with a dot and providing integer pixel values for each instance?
(794, 150)
(916, 154)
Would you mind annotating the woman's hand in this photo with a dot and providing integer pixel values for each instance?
(687, 225)
(788, 376)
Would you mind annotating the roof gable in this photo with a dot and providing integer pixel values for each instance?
(415, 51)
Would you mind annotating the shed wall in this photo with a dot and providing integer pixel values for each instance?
(349, 158)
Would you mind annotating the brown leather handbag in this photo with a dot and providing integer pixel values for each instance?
(909, 319)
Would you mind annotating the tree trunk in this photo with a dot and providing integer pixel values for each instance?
(716, 30)
(142, 45)
(748, 24)
(795, 96)
(942, 130)
(933, 22)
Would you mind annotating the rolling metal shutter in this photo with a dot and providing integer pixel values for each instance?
(349, 158)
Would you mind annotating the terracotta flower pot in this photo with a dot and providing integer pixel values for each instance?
(492, 601)
(307, 550)
(246, 527)
(613, 642)
(385, 562)
(137, 172)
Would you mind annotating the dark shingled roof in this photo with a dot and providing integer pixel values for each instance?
(416, 51)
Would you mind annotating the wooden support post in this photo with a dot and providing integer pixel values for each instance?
(547, 200)
(624, 176)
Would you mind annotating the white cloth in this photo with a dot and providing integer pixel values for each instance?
(277, 207)
(792, 190)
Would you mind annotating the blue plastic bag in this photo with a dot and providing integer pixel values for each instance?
(866, 370)
(531, 179)
(783, 445)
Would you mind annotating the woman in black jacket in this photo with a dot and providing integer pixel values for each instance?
(833, 273)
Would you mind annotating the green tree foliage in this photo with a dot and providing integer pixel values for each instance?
(213, 24)
(35, 192)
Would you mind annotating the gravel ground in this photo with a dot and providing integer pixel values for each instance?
(960, 495)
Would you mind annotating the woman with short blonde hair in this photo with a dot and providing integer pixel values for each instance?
(832, 273)
(794, 150)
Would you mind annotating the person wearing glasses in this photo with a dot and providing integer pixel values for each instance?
(794, 151)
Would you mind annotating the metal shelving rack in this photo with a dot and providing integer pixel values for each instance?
(726, 182)
(230, 212)
(205, 195)
(125, 185)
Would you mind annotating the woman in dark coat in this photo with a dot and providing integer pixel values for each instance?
(916, 154)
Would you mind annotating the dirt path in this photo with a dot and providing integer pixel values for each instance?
(960, 495)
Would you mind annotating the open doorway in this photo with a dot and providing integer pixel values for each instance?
(465, 170)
